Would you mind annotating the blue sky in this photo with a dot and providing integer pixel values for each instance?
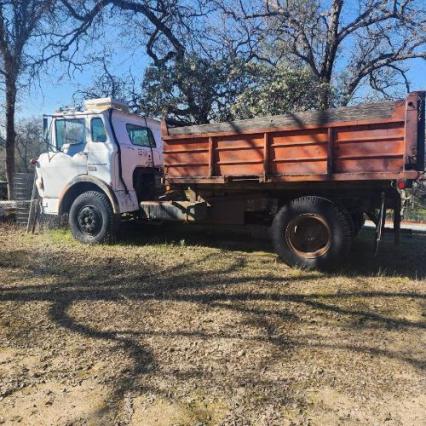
(56, 89)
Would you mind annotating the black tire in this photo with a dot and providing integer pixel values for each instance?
(91, 218)
(311, 233)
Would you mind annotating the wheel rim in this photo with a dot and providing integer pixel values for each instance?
(308, 235)
(89, 220)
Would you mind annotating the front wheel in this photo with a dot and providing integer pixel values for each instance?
(91, 218)
(311, 232)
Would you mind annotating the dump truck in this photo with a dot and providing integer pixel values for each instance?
(311, 178)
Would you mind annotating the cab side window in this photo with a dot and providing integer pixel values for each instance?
(140, 136)
(71, 132)
(97, 129)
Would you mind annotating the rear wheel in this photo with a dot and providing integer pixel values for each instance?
(311, 232)
(91, 218)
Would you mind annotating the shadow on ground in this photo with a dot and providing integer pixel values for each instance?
(406, 259)
(266, 301)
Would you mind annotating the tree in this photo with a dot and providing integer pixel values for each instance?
(277, 90)
(195, 90)
(21, 22)
(203, 52)
(107, 84)
(197, 63)
(29, 143)
(2, 160)
(343, 43)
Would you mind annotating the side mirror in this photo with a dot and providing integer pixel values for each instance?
(45, 126)
(46, 132)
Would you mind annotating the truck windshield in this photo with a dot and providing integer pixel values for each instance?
(141, 136)
(70, 131)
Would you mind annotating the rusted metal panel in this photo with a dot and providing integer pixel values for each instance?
(365, 133)
(299, 152)
(356, 148)
(368, 148)
(337, 177)
(212, 156)
(421, 135)
(315, 166)
(376, 142)
(414, 130)
(190, 157)
(266, 154)
(330, 150)
(365, 165)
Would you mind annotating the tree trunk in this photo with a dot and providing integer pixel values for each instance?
(10, 135)
(325, 95)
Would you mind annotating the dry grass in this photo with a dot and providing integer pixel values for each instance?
(172, 327)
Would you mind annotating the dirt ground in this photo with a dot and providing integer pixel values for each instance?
(171, 327)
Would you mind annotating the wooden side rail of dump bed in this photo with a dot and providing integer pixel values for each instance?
(382, 141)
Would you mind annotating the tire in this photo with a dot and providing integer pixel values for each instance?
(91, 218)
(311, 233)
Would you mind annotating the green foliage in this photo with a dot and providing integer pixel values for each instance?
(195, 90)
(277, 90)
(201, 91)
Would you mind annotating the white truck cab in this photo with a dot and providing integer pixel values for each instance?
(101, 163)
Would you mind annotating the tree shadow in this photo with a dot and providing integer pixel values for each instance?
(209, 283)
(405, 260)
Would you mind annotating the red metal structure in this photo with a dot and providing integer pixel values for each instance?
(310, 176)
(369, 142)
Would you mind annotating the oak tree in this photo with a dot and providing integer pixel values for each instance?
(21, 23)
(343, 43)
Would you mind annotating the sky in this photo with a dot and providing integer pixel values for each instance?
(56, 89)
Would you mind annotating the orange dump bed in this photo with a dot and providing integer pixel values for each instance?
(383, 141)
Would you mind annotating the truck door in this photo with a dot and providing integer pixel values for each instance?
(70, 160)
(100, 151)
(143, 141)
(137, 146)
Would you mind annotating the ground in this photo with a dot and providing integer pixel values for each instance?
(171, 327)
